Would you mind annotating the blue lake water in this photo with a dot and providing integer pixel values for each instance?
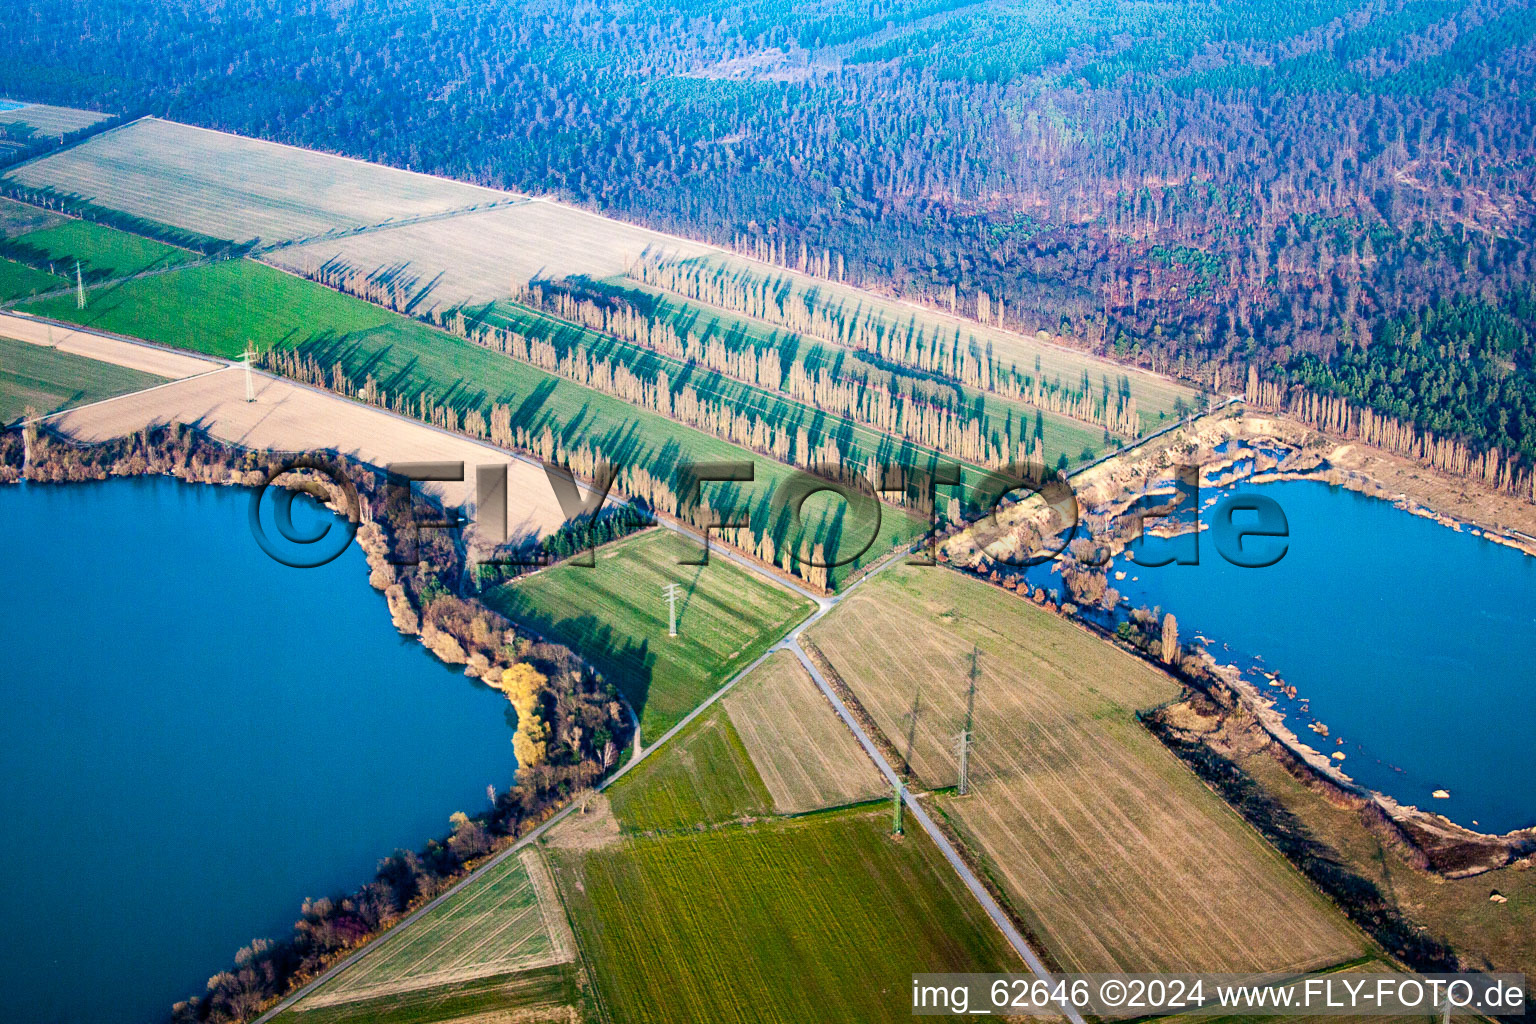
(1415, 644)
(195, 738)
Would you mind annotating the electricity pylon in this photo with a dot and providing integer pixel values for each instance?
(250, 383)
(670, 593)
(79, 287)
(965, 734)
(896, 828)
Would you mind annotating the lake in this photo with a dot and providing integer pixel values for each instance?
(1412, 642)
(197, 738)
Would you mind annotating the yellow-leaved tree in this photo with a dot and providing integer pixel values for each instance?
(523, 684)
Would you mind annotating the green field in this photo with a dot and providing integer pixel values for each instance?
(997, 415)
(18, 281)
(814, 919)
(217, 308)
(102, 251)
(858, 443)
(615, 615)
(703, 776)
(49, 380)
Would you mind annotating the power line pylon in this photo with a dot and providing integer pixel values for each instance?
(250, 383)
(670, 593)
(965, 734)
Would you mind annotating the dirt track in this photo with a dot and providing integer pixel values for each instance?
(147, 358)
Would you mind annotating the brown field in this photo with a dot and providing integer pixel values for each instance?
(1116, 857)
(806, 756)
(73, 340)
(289, 417)
(475, 258)
(1486, 935)
(235, 188)
(51, 120)
(508, 921)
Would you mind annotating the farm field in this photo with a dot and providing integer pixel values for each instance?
(239, 189)
(289, 417)
(858, 443)
(218, 308)
(102, 251)
(476, 258)
(19, 281)
(803, 752)
(229, 187)
(47, 379)
(1114, 854)
(1457, 911)
(47, 120)
(1057, 434)
(1157, 398)
(547, 995)
(507, 922)
(615, 615)
(702, 776)
(160, 362)
(812, 919)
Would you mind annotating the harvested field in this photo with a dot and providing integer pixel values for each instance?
(47, 120)
(702, 776)
(814, 919)
(238, 189)
(1113, 853)
(47, 379)
(548, 995)
(508, 921)
(615, 615)
(145, 358)
(805, 755)
(289, 417)
(476, 258)
(1486, 935)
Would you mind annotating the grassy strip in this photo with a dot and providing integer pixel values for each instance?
(48, 380)
(614, 613)
(809, 920)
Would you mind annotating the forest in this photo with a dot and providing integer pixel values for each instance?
(1195, 188)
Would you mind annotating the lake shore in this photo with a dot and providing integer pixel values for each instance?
(1239, 446)
(424, 603)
